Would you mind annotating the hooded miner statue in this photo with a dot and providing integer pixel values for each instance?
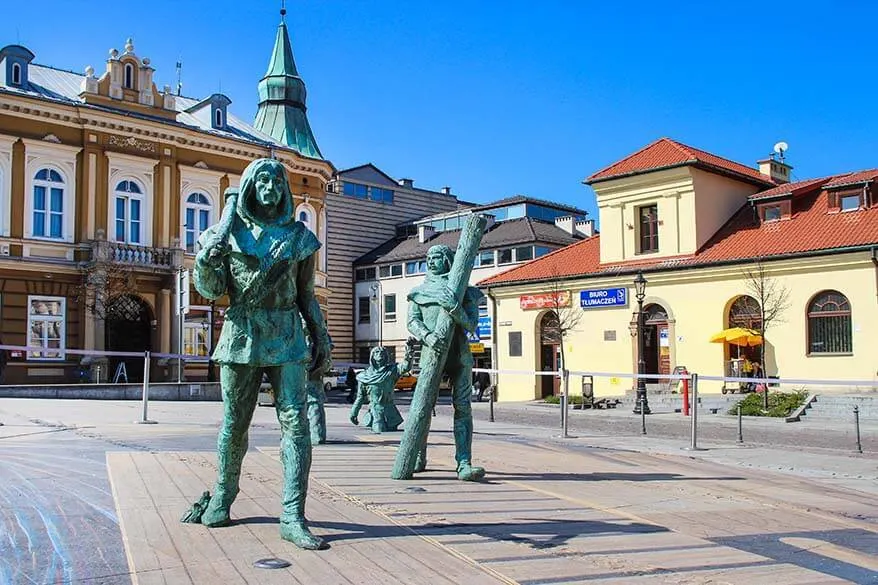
(264, 260)
(425, 303)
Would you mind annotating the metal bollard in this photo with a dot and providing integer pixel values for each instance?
(694, 410)
(857, 427)
(98, 374)
(490, 405)
(740, 426)
(145, 395)
(642, 416)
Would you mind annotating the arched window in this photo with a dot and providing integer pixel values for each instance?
(829, 323)
(745, 313)
(16, 74)
(48, 204)
(218, 118)
(128, 198)
(305, 214)
(197, 219)
(129, 76)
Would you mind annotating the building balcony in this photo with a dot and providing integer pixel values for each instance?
(135, 256)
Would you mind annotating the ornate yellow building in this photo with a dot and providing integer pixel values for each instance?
(106, 183)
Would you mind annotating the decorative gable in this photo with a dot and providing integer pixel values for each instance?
(212, 111)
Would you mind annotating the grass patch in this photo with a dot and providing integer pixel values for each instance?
(557, 399)
(780, 404)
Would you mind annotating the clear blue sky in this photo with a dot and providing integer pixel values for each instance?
(498, 98)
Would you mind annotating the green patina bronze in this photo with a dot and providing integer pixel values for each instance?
(377, 382)
(264, 260)
(441, 311)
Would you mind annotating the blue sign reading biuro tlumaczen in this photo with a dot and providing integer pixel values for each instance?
(603, 297)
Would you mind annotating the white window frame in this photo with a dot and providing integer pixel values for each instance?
(311, 213)
(128, 83)
(196, 209)
(31, 318)
(389, 317)
(218, 118)
(141, 170)
(128, 197)
(207, 182)
(58, 157)
(16, 69)
(5, 184)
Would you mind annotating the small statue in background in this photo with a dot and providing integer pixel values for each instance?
(377, 382)
(316, 401)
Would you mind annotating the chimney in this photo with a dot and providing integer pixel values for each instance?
(407, 183)
(425, 233)
(584, 227)
(446, 190)
(565, 223)
(777, 170)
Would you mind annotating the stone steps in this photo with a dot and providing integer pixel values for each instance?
(842, 407)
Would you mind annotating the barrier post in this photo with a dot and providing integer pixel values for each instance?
(145, 396)
(564, 401)
(491, 404)
(857, 428)
(740, 426)
(642, 416)
(694, 429)
(686, 396)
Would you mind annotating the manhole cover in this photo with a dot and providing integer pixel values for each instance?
(271, 564)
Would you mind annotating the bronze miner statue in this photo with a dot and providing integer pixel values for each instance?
(441, 311)
(264, 260)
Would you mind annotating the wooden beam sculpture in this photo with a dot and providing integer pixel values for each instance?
(417, 426)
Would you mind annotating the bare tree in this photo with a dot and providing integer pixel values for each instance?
(101, 283)
(773, 301)
(565, 316)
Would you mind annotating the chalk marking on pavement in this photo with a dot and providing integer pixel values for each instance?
(833, 551)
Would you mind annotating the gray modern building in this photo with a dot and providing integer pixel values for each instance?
(364, 207)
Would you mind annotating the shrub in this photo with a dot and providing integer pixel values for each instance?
(780, 404)
(557, 399)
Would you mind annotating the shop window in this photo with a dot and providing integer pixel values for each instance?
(648, 228)
(745, 313)
(364, 309)
(390, 307)
(515, 344)
(829, 324)
(45, 325)
(197, 215)
(196, 332)
(48, 204)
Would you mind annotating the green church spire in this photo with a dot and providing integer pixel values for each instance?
(282, 94)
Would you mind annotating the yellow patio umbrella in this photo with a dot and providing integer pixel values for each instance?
(737, 336)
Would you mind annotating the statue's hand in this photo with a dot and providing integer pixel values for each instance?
(320, 355)
(214, 255)
(447, 300)
(435, 342)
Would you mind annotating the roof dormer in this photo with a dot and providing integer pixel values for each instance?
(14, 61)
(212, 110)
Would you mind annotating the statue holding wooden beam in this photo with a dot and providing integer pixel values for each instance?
(441, 311)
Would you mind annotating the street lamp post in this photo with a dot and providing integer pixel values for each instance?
(641, 401)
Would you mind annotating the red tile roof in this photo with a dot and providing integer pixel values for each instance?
(811, 228)
(666, 153)
(794, 189)
(853, 178)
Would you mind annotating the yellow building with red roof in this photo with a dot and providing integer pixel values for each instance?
(707, 233)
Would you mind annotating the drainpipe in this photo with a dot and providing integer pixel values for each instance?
(875, 262)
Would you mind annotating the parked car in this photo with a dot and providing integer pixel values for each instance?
(406, 382)
(333, 379)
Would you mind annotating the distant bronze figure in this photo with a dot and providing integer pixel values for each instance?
(377, 383)
(264, 260)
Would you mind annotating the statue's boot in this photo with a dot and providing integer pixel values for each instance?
(231, 449)
(296, 459)
(463, 447)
